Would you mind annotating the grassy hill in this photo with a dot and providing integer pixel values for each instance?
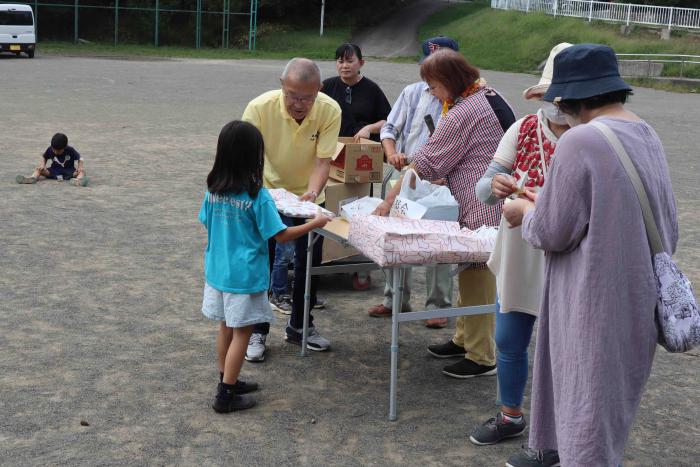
(515, 41)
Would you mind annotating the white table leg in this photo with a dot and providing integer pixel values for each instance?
(307, 293)
(395, 310)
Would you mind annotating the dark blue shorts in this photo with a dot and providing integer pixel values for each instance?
(55, 170)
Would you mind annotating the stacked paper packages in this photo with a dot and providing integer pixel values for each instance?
(289, 204)
(391, 241)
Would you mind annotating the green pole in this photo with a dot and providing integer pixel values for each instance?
(198, 25)
(225, 25)
(116, 22)
(228, 24)
(155, 40)
(75, 23)
(36, 20)
(253, 24)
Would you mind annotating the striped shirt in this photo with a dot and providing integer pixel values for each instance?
(459, 152)
(405, 123)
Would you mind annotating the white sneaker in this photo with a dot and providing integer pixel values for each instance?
(256, 348)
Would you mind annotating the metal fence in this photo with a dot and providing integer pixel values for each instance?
(208, 19)
(627, 13)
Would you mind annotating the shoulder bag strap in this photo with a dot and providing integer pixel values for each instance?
(649, 222)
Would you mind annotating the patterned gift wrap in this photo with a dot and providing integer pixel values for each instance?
(391, 241)
(288, 204)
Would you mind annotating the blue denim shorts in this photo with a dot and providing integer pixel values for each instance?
(55, 170)
(238, 310)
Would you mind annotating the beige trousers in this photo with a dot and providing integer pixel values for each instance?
(475, 333)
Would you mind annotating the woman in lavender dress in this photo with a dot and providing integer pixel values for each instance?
(597, 334)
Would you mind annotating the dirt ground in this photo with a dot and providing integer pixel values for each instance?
(100, 292)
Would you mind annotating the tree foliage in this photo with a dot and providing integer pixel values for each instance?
(177, 18)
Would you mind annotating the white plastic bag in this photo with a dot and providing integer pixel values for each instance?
(438, 200)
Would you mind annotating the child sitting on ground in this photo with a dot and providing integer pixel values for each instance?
(240, 217)
(63, 159)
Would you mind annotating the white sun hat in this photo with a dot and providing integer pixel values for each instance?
(536, 91)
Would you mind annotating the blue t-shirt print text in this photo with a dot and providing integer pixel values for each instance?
(227, 216)
(238, 228)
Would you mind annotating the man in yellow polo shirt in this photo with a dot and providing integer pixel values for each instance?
(300, 128)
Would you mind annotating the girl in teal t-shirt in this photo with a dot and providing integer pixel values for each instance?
(240, 217)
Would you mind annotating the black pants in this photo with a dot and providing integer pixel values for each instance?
(297, 317)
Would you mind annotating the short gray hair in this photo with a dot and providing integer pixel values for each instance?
(302, 69)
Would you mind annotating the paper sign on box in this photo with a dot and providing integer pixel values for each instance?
(403, 207)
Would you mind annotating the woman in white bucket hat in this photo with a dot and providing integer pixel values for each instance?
(521, 162)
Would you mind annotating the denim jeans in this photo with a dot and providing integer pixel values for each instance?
(297, 317)
(284, 254)
(513, 333)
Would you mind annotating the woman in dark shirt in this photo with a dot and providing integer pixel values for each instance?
(364, 106)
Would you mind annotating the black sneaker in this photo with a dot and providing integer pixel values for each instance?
(496, 429)
(314, 341)
(466, 368)
(447, 350)
(243, 387)
(228, 401)
(281, 303)
(534, 458)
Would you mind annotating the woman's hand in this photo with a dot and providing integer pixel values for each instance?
(515, 210)
(363, 133)
(398, 160)
(531, 194)
(503, 186)
(382, 210)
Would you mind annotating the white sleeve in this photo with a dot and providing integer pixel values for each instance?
(508, 147)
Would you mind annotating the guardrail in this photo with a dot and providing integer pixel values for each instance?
(651, 65)
(628, 13)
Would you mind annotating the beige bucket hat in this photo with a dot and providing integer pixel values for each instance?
(536, 91)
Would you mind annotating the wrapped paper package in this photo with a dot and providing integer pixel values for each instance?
(288, 204)
(391, 241)
(359, 207)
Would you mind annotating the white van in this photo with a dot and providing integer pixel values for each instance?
(17, 32)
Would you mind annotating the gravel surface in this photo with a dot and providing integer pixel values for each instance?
(105, 358)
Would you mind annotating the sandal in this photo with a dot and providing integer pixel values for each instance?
(436, 323)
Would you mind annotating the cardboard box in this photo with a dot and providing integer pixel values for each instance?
(357, 162)
(336, 193)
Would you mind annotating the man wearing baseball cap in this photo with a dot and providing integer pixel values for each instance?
(404, 132)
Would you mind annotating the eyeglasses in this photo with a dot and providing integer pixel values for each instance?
(306, 100)
(348, 95)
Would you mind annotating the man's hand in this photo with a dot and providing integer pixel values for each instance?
(309, 196)
(382, 210)
(515, 210)
(503, 185)
(398, 160)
